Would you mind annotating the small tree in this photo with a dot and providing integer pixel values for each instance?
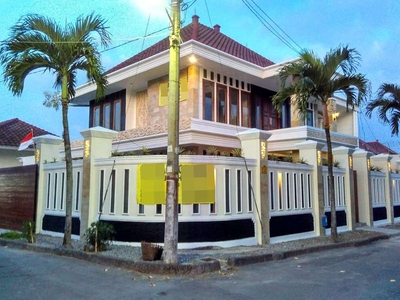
(37, 42)
(319, 78)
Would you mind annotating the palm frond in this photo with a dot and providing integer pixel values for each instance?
(387, 105)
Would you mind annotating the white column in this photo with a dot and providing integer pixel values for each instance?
(383, 162)
(343, 156)
(361, 165)
(97, 144)
(47, 149)
(254, 145)
(310, 151)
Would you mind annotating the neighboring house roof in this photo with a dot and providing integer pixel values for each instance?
(375, 147)
(14, 130)
(208, 36)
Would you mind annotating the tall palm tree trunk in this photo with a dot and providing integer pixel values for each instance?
(68, 166)
(331, 190)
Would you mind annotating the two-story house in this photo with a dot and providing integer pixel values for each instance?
(225, 88)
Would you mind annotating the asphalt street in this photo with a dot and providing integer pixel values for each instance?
(368, 272)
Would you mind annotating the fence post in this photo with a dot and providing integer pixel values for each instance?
(382, 161)
(47, 149)
(395, 163)
(310, 151)
(97, 144)
(343, 156)
(254, 146)
(361, 164)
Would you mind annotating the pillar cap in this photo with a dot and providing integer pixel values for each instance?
(342, 150)
(382, 157)
(99, 132)
(309, 145)
(253, 134)
(47, 139)
(362, 153)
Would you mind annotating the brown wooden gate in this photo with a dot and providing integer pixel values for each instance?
(18, 186)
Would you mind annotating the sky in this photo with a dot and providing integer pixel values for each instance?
(369, 26)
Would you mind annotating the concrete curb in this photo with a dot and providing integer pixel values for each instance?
(200, 266)
(197, 267)
(242, 260)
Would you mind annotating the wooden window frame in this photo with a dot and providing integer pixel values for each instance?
(212, 99)
(217, 102)
(104, 115)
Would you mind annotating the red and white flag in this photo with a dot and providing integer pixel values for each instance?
(26, 142)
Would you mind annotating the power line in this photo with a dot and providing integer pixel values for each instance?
(270, 27)
(136, 39)
(276, 24)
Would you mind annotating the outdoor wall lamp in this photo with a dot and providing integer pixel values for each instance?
(335, 115)
(192, 59)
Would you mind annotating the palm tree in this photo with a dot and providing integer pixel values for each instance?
(37, 42)
(388, 104)
(318, 79)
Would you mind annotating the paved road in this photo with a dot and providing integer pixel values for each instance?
(369, 272)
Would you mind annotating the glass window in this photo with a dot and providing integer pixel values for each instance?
(285, 116)
(117, 116)
(246, 110)
(221, 104)
(96, 116)
(257, 114)
(106, 116)
(233, 109)
(310, 118)
(208, 100)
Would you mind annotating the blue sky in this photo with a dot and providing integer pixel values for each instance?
(372, 27)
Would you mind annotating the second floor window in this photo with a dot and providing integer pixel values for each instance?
(109, 113)
(225, 104)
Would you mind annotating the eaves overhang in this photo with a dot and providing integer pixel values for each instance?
(157, 65)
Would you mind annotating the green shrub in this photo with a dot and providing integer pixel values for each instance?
(237, 152)
(301, 160)
(211, 150)
(11, 235)
(288, 158)
(100, 235)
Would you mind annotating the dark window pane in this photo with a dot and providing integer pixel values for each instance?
(234, 99)
(106, 118)
(96, 116)
(117, 116)
(246, 110)
(221, 104)
(208, 100)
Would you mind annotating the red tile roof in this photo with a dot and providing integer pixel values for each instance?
(14, 130)
(376, 147)
(205, 35)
